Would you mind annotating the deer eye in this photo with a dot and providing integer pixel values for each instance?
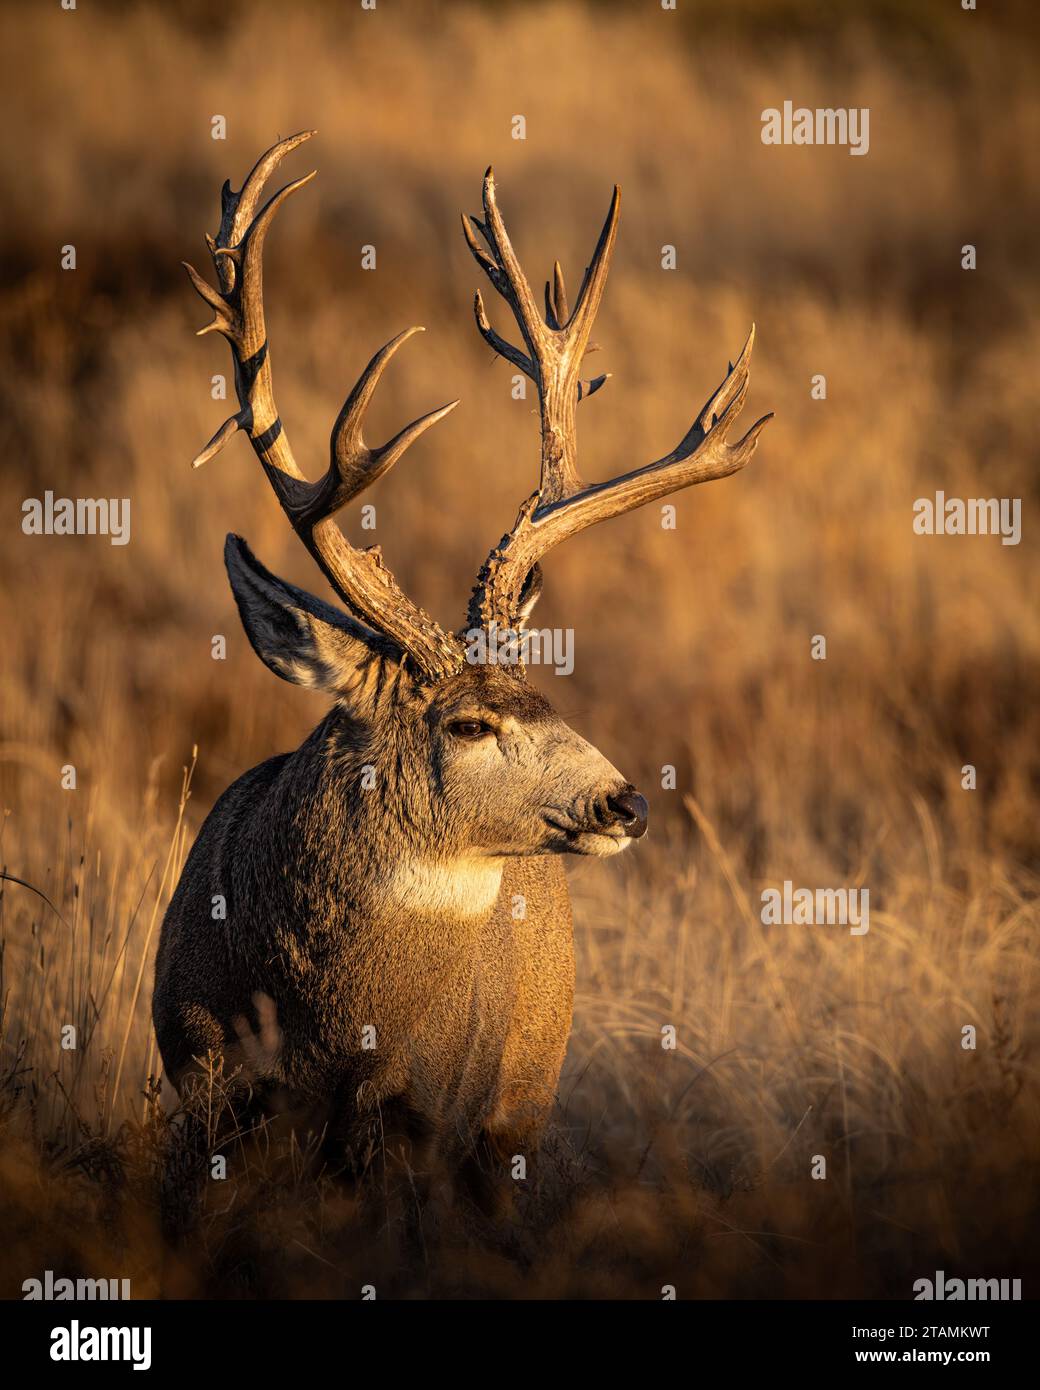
(469, 729)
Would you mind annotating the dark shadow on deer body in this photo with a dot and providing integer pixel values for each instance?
(395, 965)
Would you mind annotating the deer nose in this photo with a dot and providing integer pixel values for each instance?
(629, 809)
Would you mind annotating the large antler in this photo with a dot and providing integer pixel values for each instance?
(556, 344)
(358, 576)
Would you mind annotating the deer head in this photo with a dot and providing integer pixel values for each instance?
(483, 766)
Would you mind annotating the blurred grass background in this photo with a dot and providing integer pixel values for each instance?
(692, 646)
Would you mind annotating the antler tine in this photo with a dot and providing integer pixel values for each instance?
(556, 301)
(249, 195)
(726, 401)
(516, 289)
(491, 267)
(358, 576)
(595, 279)
(496, 341)
(355, 466)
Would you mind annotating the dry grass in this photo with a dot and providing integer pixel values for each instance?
(688, 1167)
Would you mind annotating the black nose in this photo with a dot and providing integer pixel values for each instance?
(630, 810)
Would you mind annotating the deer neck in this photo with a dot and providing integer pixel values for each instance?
(360, 848)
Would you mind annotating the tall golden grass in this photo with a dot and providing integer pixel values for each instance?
(688, 1167)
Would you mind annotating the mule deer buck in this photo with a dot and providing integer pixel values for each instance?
(370, 877)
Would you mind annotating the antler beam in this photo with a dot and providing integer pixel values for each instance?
(359, 577)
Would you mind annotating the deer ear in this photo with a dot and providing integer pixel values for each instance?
(299, 637)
